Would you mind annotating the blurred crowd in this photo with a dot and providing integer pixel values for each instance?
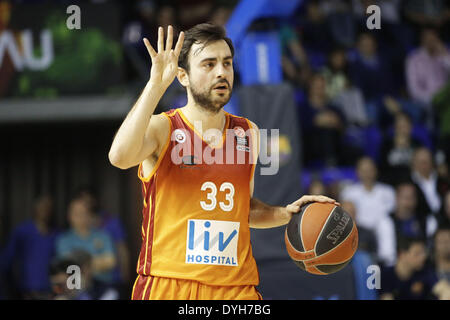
(40, 261)
(378, 100)
(374, 100)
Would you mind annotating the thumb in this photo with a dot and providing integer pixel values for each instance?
(292, 208)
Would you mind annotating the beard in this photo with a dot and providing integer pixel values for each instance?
(207, 101)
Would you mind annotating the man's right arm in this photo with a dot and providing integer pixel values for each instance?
(141, 133)
(138, 137)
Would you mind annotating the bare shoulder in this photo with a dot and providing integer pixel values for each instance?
(160, 121)
(159, 128)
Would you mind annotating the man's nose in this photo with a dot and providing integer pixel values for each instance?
(220, 71)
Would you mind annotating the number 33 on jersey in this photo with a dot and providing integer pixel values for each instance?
(195, 222)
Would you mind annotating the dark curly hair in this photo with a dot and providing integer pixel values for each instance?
(204, 33)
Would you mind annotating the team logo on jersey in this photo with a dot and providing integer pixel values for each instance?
(242, 144)
(212, 242)
(180, 136)
(241, 139)
(239, 131)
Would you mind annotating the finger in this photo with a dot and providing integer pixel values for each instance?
(327, 199)
(160, 39)
(169, 40)
(173, 57)
(291, 208)
(303, 200)
(150, 49)
(323, 199)
(179, 44)
(307, 199)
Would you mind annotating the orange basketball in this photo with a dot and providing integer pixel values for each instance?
(321, 238)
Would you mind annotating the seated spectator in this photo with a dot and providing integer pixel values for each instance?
(58, 272)
(442, 262)
(394, 37)
(192, 12)
(397, 151)
(112, 225)
(443, 218)
(427, 70)
(366, 237)
(369, 70)
(403, 222)
(314, 28)
(341, 21)
(322, 125)
(317, 187)
(83, 236)
(373, 200)
(441, 110)
(90, 289)
(335, 72)
(166, 16)
(294, 59)
(30, 249)
(409, 279)
(141, 24)
(391, 106)
(149, 16)
(429, 186)
(220, 15)
(424, 13)
(342, 92)
(442, 252)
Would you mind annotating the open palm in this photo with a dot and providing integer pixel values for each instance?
(165, 61)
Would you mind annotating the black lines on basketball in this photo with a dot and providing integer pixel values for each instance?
(293, 229)
(336, 229)
(332, 268)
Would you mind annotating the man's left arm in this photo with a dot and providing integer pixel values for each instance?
(263, 215)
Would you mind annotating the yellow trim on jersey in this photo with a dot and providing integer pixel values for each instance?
(147, 235)
(257, 151)
(161, 156)
(132, 291)
(145, 192)
(233, 115)
(227, 123)
(145, 289)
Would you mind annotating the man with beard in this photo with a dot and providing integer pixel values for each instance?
(197, 207)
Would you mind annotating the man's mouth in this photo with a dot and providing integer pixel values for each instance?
(221, 87)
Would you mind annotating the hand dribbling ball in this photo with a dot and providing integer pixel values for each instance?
(322, 238)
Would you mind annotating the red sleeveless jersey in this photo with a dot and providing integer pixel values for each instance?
(196, 206)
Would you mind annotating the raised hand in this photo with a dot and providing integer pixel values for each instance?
(165, 61)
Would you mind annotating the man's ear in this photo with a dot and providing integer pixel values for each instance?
(183, 77)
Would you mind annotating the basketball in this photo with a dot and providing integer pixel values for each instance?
(322, 238)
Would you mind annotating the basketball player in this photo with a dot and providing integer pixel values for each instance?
(196, 215)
